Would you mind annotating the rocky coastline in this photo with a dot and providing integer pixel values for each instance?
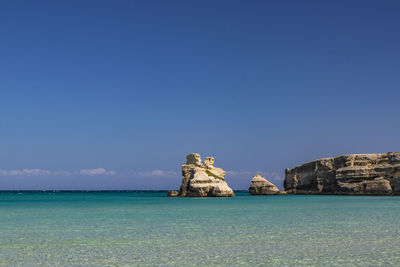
(355, 174)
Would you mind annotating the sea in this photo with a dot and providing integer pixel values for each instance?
(146, 228)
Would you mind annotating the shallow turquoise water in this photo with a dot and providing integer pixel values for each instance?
(100, 229)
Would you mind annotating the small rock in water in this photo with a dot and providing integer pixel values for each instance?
(172, 193)
(261, 186)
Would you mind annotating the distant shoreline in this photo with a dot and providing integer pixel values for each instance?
(93, 191)
(164, 192)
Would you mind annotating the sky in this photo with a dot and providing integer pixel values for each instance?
(107, 95)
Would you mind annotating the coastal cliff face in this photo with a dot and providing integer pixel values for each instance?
(203, 179)
(261, 186)
(375, 174)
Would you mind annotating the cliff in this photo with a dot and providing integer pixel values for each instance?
(376, 174)
(203, 179)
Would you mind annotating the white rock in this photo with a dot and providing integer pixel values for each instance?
(203, 180)
(261, 186)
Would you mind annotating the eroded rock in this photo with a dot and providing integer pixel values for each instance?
(203, 179)
(376, 174)
(261, 186)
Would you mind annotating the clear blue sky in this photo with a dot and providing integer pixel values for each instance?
(114, 94)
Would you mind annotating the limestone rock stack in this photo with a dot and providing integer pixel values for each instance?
(261, 186)
(376, 174)
(203, 179)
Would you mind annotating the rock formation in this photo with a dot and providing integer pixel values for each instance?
(203, 179)
(172, 193)
(376, 174)
(261, 186)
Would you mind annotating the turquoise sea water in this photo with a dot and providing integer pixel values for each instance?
(146, 228)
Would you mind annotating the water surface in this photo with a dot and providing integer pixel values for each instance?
(145, 228)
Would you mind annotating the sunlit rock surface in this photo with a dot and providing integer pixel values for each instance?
(203, 179)
(375, 174)
(261, 186)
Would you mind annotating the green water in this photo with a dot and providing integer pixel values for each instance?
(137, 228)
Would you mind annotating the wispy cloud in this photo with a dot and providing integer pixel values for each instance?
(159, 173)
(25, 172)
(43, 172)
(268, 175)
(98, 171)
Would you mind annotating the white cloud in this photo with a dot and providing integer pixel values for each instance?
(42, 172)
(268, 175)
(158, 173)
(98, 171)
(25, 172)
